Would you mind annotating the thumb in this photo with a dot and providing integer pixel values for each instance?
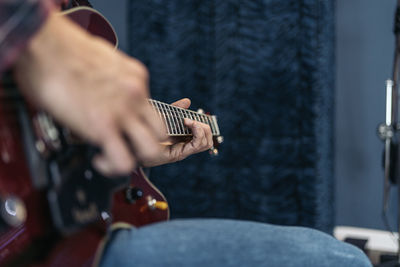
(183, 103)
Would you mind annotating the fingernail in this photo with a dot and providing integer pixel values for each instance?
(102, 165)
(188, 120)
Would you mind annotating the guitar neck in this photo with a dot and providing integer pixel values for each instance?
(173, 119)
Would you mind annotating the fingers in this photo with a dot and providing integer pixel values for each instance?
(138, 130)
(202, 138)
(139, 78)
(116, 158)
(149, 116)
(145, 145)
(120, 155)
(132, 138)
(182, 103)
(107, 106)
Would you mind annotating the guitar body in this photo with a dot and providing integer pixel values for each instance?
(79, 249)
(55, 231)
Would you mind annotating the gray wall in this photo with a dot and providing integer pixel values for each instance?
(115, 12)
(364, 62)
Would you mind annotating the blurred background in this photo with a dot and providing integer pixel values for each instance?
(362, 41)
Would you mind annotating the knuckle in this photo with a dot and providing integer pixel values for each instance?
(141, 69)
(177, 156)
(144, 72)
(207, 128)
(135, 89)
(204, 143)
(196, 143)
(199, 132)
(181, 156)
(210, 144)
(101, 129)
(125, 166)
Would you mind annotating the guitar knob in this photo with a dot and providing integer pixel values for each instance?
(161, 205)
(220, 139)
(213, 151)
(13, 211)
(132, 194)
(154, 204)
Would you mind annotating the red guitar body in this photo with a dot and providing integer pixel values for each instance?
(36, 241)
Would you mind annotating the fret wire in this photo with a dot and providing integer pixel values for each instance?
(203, 118)
(152, 105)
(192, 115)
(181, 117)
(182, 120)
(187, 116)
(183, 112)
(197, 117)
(167, 122)
(213, 124)
(167, 117)
(160, 110)
(208, 118)
(186, 113)
(216, 125)
(155, 106)
(210, 124)
(176, 116)
(200, 117)
(171, 119)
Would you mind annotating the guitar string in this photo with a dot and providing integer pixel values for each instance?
(172, 116)
(178, 115)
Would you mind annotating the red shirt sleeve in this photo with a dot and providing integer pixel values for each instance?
(19, 20)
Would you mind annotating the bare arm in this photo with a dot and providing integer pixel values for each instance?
(97, 91)
(101, 94)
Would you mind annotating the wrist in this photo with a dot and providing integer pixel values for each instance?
(39, 43)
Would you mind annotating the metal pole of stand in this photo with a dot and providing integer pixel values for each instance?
(394, 112)
(388, 132)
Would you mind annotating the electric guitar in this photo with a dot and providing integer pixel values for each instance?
(54, 207)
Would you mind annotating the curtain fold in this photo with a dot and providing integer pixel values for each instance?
(266, 69)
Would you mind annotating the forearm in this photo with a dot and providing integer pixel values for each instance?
(19, 22)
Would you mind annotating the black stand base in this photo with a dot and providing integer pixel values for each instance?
(389, 264)
(388, 261)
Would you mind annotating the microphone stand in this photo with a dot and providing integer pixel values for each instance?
(388, 132)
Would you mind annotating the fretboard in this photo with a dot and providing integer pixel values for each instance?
(173, 118)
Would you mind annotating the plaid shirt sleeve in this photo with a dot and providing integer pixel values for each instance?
(19, 20)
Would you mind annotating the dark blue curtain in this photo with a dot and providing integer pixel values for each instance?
(266, 69)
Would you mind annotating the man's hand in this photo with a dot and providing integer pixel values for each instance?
(201, 141)
(98, 92)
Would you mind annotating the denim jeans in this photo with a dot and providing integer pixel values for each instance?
(217, 242)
